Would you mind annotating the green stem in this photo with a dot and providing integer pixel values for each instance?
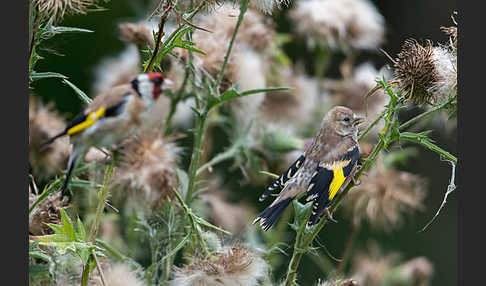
(118, 255)
(160, 33)
(243, 8)
(103, 196)
(425, 114)
(173, 105)
(85, 275)
(196, 155)
(371, 126)
(429, 145)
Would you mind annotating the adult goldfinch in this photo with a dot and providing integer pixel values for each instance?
(320, 171)
(111, 117)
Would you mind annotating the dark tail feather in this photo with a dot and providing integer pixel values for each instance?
(270, 215)
(50, 140)
(275, 186)
(71, 165)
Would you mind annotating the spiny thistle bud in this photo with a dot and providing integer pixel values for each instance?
(148, 163)
(44, 123)
(136, 33)
(427, 74)
(235, 265)
(340, 24)
(47, 211)
(57, 9)
(384, 196)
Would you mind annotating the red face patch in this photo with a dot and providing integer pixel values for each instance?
(154, 75)
(157, 79)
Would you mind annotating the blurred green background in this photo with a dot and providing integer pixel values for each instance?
(404, 19)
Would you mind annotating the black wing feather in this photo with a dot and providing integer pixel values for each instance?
(279, 183)
(81, 117)
(319, 192)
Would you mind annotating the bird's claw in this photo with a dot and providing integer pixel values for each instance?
(329, 215)
(356, 182)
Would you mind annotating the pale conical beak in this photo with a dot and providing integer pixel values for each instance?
(167, 84)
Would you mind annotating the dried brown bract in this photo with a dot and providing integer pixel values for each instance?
(384, 195)
(148, 163)
(452, 33)
(44, 123)
(427, 74)
(136, 33)
(235, 265)
(47, 211)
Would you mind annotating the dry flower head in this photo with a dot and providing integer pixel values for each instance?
(253, 34)
(371, 267)
(418, 271)
(136, 33)
(117, 275)
(384, 196)
(427, 73)
(44, 123)
(235, 265)
(340, 24)
(148, 163)
(47, 211)
(57, 9)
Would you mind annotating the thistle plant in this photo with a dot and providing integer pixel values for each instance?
(173, 204)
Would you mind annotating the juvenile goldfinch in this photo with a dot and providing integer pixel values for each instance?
(320, 171)
(111, 117)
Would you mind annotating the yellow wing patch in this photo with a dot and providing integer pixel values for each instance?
(336, 183)
(90, 120)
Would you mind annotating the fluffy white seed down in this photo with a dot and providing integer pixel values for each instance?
(112, 71)
(239, 267)
(340, 24)
(446, 68)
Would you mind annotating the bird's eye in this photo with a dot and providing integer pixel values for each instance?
(346, 119)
